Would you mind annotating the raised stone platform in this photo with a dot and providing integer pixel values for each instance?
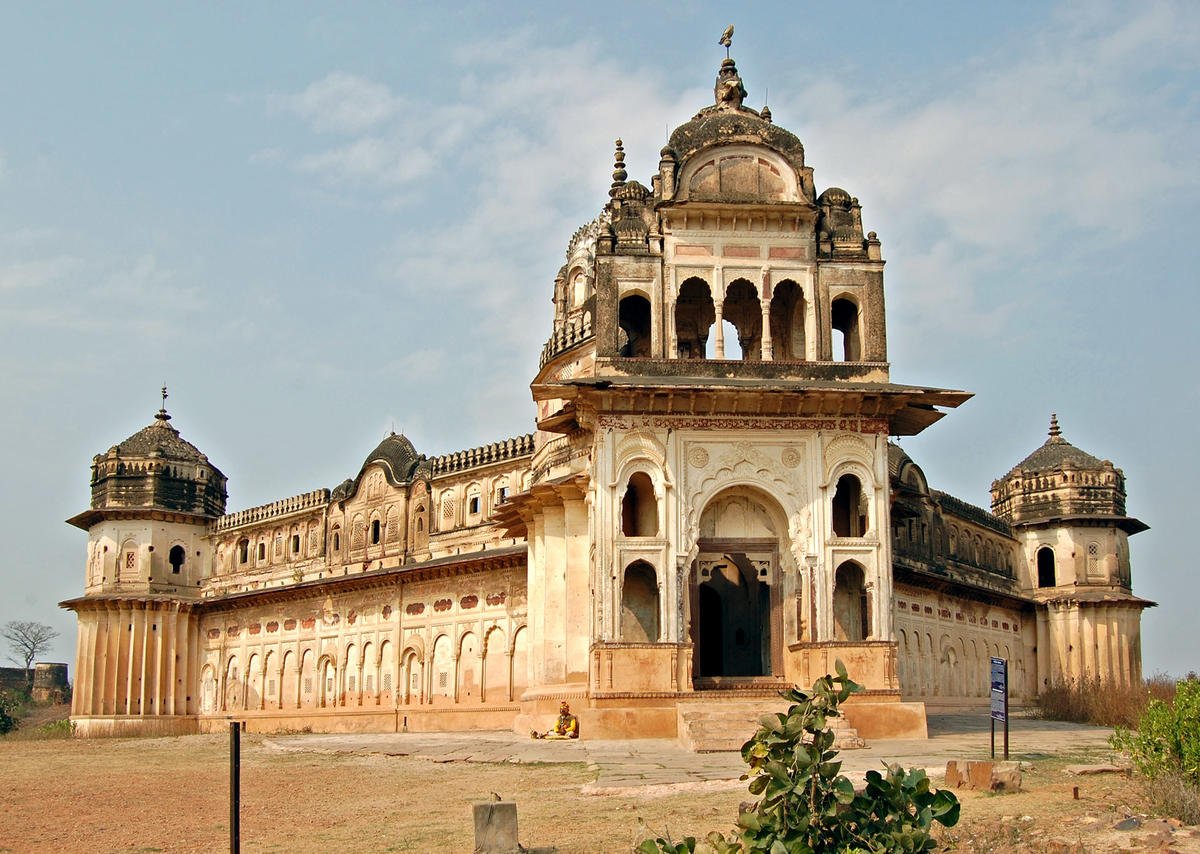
(714, 727)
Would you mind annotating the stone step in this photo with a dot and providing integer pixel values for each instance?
(714, 727)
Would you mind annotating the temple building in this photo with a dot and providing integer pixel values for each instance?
(710, 507)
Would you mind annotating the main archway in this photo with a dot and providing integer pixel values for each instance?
(736, 626)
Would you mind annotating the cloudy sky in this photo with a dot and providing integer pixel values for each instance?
(318, 226)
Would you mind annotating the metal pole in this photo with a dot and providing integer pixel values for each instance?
(235, 788)
(993, 720)
(1006, 717)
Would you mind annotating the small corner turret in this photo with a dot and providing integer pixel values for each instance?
(152, 497)
(1069, 508)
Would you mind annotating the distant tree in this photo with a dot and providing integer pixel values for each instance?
(26, 641)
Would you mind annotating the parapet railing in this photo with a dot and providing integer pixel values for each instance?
(506, 449)
(282, 507)
(572, 333)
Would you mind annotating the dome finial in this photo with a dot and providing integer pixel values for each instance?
(162, 415)
(726, 39)
(1055, 430)
(619, 173)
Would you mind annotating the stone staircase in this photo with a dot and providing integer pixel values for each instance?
(720, 725)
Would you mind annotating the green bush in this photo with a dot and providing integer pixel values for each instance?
(1167, 738)
(8, 712)
(805, 805)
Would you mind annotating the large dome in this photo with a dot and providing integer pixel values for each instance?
(728, 120)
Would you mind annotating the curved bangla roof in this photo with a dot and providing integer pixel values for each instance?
(1058, 453)
(162, 440)
(397, 456)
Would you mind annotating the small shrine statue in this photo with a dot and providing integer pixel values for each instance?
(567, 725)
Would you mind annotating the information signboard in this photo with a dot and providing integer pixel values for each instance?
(999, 683)
(999, 690)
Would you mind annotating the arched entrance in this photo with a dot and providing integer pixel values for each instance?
(735, 625)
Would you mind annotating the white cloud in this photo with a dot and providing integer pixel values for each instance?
(1054, 131)
(342, 103)
(1059, 137)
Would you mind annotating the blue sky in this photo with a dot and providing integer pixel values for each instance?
(318, 226)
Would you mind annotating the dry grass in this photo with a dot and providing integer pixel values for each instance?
(1090, 701)
(1172, 795)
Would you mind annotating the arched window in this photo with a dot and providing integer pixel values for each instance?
(639, 604)
(743, 310)
(849, 510)
(1045, 567)
(847, 346)
(639, 509)
(577, 290)
(337, 538)
(243, 550)
(175, 557)
(694, 317)
(375, 532)
(851, 614)
(787, 322)
(295, 544)
(633, 316)
(262, 551)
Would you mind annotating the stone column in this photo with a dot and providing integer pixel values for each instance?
(718, 298)
(578, 593)
(764, 300)
(553, 646)
(156, 630)
(670, 333)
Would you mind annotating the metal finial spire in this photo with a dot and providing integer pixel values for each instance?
(727, 39)
(162, 413)
(1055, 430)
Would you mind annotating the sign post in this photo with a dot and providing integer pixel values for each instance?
(999, 682)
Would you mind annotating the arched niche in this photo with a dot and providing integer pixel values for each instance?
(851, 605)
(634, 320)
(846, 330)
(1046, 575)
(694, 317)
(736, 617)
(848, 507)
(639, 507)
(639, 603)
(787, 319)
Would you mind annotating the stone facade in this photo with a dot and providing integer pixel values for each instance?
(710, 508)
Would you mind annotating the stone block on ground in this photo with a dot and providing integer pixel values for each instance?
(984, 775)
(495, 827)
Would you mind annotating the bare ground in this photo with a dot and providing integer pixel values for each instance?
(170, 794)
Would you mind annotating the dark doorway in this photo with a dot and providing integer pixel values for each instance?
(733, 616)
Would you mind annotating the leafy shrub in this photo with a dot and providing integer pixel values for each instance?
(63, 728)
(8, 713)
(1167, 738)
(805, 805)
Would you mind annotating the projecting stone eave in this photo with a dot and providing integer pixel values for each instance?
(103, 600)
(1093, 596)
(85, 520)
(1128, 524)
(906, 410)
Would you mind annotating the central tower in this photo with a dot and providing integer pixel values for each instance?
(709, 504)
